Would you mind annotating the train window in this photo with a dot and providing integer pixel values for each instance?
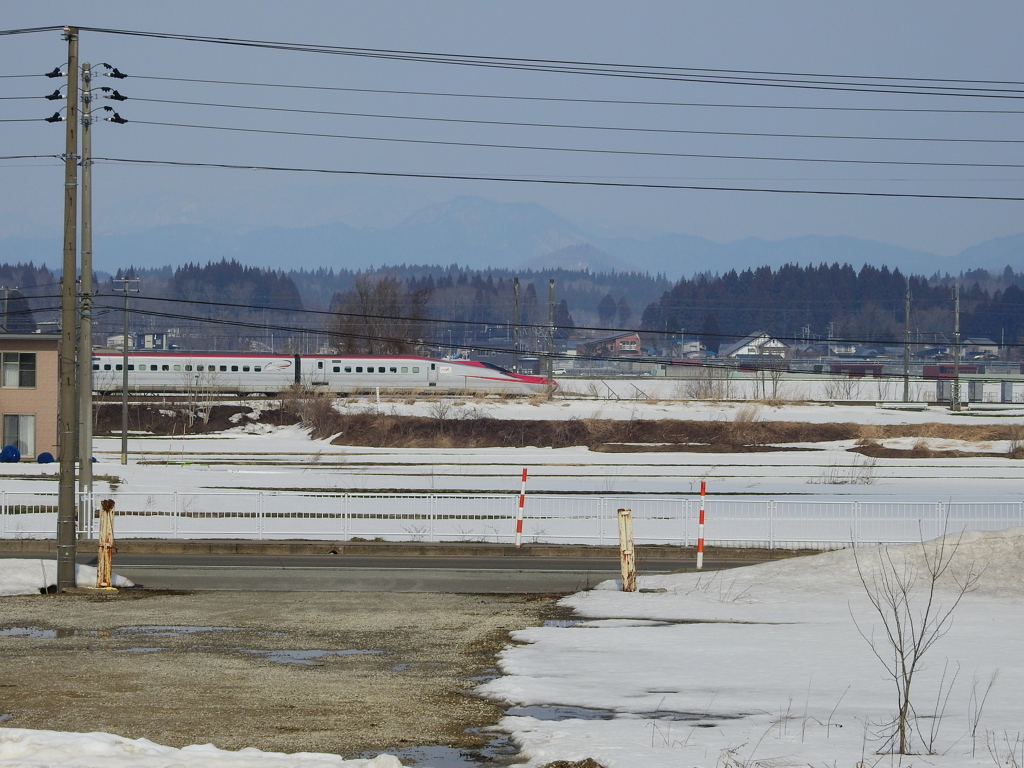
(405, 369)
(131, 367)
(177, 367)
(106, 367)
(95, 366)
(118, 367)
(245, 368)
(188, 367)
(319, 365)
(200, 368)
(337, 369)
(415, 369)
(165, 367)
(257, 368)
(433, 366)
(234, 367)
(359, 369)
(223, 367)
(348, 369)
(394, 370)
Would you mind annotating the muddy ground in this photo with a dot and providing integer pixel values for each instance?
(606, 435)
(249, 669)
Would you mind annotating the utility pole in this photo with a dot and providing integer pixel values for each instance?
(515, 325)
(85, 311)
(906, 345)
(66, 545)
(6, 289)
(954, 400)
(551, 327)
(127, 287)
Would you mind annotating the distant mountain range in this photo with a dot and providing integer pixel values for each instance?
(478, 233)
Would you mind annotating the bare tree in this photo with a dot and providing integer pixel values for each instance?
(904, 593)
(378, 317)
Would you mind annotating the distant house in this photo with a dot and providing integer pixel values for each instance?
(979, 348)
(29, 384)
(758, 344)
(619, 345)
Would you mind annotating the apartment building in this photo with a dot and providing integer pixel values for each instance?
(29, 387)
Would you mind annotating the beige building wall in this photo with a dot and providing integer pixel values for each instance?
(40, 400)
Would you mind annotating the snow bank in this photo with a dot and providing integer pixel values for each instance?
(19, 576)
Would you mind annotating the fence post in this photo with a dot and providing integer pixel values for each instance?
(3, 514)
(175, 513)
(626, 553)
(431, 511)
(700, 528)
(855, 524)
(772, 508)
(259, 515)
(519, 511)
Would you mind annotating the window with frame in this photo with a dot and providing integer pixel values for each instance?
(20, 431)
(19, 369)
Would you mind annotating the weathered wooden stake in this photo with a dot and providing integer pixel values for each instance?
(106, 554)
(626, 553)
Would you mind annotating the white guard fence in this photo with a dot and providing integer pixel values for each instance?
(549, 519)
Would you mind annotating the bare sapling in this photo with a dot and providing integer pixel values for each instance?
(904, 589)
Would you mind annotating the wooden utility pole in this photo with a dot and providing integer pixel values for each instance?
(66, 518)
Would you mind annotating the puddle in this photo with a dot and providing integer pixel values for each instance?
(556, 713)
(5, 717)
(561, 623)
(170, 631)
(37, 632)
(406, 666)
(485, 677)
(308, 658)
(498, 749)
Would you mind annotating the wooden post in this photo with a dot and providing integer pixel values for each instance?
(106, 539)
(626, 550)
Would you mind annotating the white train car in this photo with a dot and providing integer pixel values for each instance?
(244, 374)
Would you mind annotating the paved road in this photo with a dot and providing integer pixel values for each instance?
(383, 573)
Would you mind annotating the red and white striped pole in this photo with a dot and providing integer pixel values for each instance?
(700, 528)
(519, 514)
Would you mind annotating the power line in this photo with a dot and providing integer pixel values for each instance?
(571, 126)
(571, 100)
(877, 84)
(577, 150)
(565, 182)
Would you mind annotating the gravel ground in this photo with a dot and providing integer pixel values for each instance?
(200, 668)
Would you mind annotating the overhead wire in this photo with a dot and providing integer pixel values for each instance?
(553, 181)
(577, 100)
(570, 126)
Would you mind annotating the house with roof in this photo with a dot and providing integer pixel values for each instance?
(756, 345)
(620, 345)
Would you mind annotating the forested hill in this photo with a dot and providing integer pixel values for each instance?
(838, 302)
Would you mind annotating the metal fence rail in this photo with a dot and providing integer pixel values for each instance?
(491, 518)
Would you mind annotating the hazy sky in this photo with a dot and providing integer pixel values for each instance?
(937, 39)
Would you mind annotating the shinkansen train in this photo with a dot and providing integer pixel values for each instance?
(244, 374)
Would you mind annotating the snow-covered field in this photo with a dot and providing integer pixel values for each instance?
(769, 665)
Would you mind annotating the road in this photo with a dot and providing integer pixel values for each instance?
(464, 574)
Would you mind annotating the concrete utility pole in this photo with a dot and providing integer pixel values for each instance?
(6, 289)
(954, 400)
(126, 286)
(66, 545)
(551, 327)
(906, 345)
(515, 325)
(85, 311)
